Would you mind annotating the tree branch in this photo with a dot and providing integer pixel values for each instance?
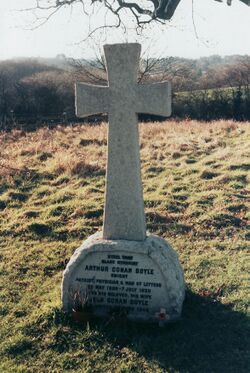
(143, 11)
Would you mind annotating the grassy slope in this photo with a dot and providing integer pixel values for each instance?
(51, 198)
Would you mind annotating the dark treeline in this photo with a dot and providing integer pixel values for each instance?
(34, 92)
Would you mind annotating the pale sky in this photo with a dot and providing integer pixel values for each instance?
(221, 30)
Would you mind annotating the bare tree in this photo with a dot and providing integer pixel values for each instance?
(94, 71)
(143, 11)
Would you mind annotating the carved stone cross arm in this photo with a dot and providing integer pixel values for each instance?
(90, 99)
(154, 99)
(151, 98)
(124, 208)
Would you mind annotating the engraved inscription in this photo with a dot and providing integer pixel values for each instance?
(133, 282)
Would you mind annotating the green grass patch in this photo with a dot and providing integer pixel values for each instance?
(195, 197)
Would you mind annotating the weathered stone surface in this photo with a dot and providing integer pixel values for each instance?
(121, 270)
(123, 99)
(140, 280)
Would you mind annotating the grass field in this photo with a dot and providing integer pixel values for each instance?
(51, 198)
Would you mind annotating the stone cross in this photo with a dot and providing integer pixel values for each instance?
(124, 217)
(122, 270)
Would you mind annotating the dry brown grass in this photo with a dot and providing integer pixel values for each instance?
(82, 149)
(58, 150)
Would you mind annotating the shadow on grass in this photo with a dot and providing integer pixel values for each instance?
(211, 337)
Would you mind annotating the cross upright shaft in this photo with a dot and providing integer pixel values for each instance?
(124, 208)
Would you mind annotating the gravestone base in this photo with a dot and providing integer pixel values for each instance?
(137, 280)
